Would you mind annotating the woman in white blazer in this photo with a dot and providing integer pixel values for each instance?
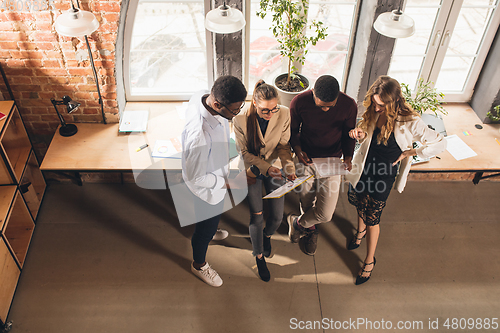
(387, 130)
(262, 135)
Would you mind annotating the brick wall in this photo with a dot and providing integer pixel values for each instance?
(40, 65)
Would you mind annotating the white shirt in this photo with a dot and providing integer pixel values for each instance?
(205, 151)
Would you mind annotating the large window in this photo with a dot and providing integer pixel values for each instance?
(327, 57)
(165, 51)
(450, 44)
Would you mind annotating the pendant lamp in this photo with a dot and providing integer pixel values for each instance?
(394, 24)
(224, 20)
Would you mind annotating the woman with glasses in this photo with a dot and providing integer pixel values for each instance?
(387, 130)
(262, 135)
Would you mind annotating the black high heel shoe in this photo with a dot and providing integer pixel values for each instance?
(352, 244)
(362, 279)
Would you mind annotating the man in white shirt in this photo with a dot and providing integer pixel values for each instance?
(205, 163)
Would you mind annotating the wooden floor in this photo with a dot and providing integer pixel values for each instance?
(113, 258)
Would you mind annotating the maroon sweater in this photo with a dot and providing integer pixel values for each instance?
(320, 133)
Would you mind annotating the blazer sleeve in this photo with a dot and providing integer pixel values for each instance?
(241, 143)
(433, 142)
(283, 147)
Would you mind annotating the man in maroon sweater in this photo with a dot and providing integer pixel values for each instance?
(321, 119)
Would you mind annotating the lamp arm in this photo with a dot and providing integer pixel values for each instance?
(96, 79)
(63, 123)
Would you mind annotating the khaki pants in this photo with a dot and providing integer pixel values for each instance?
(318, 196)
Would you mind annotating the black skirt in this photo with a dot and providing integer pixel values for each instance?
(375, 184)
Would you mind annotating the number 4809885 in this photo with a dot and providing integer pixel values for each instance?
(26, 5)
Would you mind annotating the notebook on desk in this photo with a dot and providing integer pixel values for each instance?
(134, 121)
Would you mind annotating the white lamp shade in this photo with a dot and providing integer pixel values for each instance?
(224, 20)
(75, 22)
(394, 24)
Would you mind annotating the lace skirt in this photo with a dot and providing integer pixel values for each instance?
(369, 209)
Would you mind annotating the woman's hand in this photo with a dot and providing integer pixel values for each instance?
(405, 154)
(357, 134)
(274, 172)
(291, 177)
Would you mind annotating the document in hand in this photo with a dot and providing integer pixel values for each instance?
(289, 185)
(329, 166)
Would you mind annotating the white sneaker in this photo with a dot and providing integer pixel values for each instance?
(208, 275)
(220, 234)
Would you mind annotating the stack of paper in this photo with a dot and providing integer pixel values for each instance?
(134, 121)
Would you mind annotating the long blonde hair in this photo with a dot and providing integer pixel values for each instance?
(389, 91)
(262, 92)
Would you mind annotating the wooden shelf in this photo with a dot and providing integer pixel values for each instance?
(9, 272)
(19, 172)
(33, 177)
(6, 197)
(19, 229)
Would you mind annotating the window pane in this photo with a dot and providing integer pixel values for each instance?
(168, 53)
(454, 73)
(327, 57)
(409, 53)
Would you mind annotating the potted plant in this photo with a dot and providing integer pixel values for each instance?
(289, 23)
(494, 116)
(426, 98)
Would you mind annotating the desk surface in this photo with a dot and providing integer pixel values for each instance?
(99, 147)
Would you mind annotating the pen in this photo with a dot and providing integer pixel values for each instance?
(438, 157)
(142, 147)
(497, 141)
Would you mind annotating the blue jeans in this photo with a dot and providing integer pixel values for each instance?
(275, 206)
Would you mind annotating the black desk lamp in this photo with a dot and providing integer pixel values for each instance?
(66, 129)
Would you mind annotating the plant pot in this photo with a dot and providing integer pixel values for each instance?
(287, 96)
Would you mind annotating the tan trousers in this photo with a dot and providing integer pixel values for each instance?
(318, 196)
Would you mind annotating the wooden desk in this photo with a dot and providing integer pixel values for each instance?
(462, 118)
(99, 147)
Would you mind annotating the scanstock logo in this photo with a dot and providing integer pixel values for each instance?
(162, 173)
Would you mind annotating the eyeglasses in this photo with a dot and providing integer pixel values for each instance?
(235, 111)
(273, 110)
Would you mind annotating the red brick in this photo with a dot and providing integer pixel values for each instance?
(31, 118)
(18, 71)
(45, 46)
(13, 36)
(79, 71)
(75, 79)
(8, 45)
(108, 37)
(51, 63)
(70, 55)
(46, 95)
(15, 63)
(50, 71)
(59, 87)
(27, 46)
(50, 118)
(59, 79)
(20, 80)
(40, 80)
(27, 87)
(38, 111)
(44, 26)
(33, 63)
(111, 17)
(83, 96)
(107, 7)
(91, 111)
(26, 54)
(43, 16)
(4, 54)
(45, 36)
(52, 55)
(5, 26)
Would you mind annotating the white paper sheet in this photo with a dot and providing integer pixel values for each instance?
(170, 148)
(330, 166)
(281, 191)
(458, 149)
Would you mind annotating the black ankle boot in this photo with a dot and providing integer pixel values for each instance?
(267, 246)
(262, 267)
